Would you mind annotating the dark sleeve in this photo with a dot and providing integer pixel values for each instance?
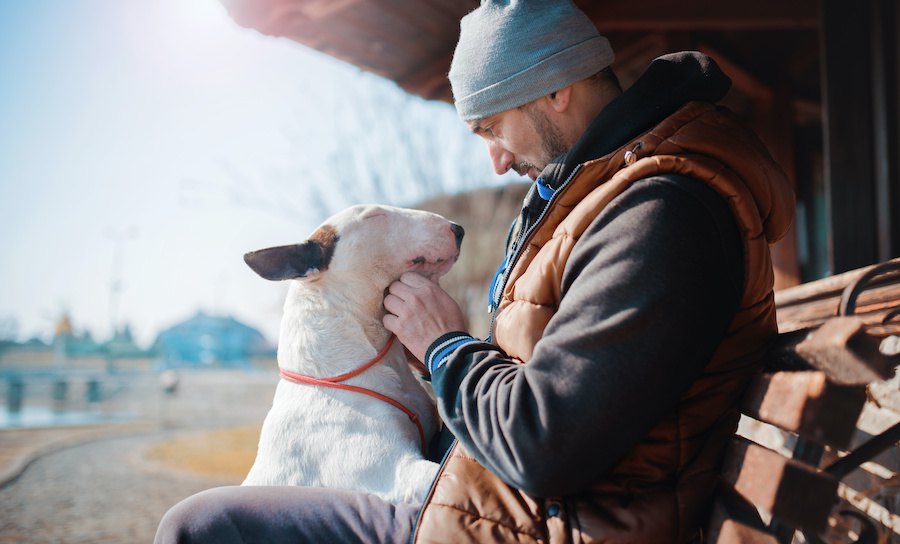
(647, 295)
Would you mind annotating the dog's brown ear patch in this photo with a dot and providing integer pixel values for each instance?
(326, 237)
(297, 260)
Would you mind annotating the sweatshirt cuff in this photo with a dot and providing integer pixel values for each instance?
(440, 350)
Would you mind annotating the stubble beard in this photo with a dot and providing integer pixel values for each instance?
(552, 142)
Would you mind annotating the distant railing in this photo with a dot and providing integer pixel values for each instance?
(19, 383)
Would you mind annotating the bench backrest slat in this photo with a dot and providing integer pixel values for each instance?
(771, 481)
(806, 403)
(831, 362)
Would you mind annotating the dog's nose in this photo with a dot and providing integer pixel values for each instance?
(459, 232)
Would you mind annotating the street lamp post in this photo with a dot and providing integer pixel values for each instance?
(119, 237)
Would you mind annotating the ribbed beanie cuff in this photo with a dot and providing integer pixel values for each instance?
(511, 52)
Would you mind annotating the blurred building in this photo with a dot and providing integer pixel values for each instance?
(72, 347)
(211, 341)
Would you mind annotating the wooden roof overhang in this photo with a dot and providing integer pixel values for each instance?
(412, 42)
(817, 79)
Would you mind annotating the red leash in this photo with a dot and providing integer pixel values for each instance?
(334, 383)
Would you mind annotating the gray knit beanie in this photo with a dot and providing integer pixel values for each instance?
(511, 52)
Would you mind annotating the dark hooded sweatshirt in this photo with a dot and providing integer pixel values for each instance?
(687, 254)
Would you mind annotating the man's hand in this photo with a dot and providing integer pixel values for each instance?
(419, 312)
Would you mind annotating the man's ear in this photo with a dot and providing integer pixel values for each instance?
(560, 99)
(295, 261)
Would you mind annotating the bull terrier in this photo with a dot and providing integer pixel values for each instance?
(348, 412)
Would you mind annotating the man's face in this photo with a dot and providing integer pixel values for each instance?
(524, 139)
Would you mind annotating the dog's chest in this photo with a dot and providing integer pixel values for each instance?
(331, 438)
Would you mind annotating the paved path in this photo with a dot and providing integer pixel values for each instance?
(94, 493)
(20, 447)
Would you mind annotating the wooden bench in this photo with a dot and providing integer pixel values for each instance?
(815, 458)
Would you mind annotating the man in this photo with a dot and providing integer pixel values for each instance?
(634, 302)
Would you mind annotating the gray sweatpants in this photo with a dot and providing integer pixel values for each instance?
(285, 514)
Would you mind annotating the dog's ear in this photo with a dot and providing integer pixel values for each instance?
(295, 261)
(288, 262)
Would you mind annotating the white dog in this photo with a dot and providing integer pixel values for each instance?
(318, 433)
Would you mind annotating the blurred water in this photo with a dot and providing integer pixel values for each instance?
(44, 416)
(189, 399)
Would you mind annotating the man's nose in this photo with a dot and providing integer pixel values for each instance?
(501, 159)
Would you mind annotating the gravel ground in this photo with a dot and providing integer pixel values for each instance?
(95, 493)
(103, 491)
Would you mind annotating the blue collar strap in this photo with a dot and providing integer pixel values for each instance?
(544, 190)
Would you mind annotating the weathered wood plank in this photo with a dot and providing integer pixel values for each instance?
(700, 14)
(729, 519)
(734, 532)
(826, 287)
(811, 304)
(773, 482)
(872, 306)
(806, 403)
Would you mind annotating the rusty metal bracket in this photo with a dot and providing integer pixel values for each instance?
(890, 316)
(841, 348)
(849, 356)
(852, 291)
(865, 452)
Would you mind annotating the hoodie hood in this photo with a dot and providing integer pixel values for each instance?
(670, 82)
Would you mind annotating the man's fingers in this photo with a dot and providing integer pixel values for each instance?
(393, 303)
(391, 322)
(415, 280)
(401, 290)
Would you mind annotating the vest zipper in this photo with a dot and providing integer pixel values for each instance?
(511, 259)
(501, 283)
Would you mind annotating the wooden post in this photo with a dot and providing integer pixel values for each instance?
(848, 136)
(886, 125)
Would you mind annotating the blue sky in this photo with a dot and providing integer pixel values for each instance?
(164, 125)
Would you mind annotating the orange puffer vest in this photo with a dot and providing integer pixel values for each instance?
(659, 491)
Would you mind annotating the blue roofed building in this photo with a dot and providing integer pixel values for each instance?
(211, 341)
